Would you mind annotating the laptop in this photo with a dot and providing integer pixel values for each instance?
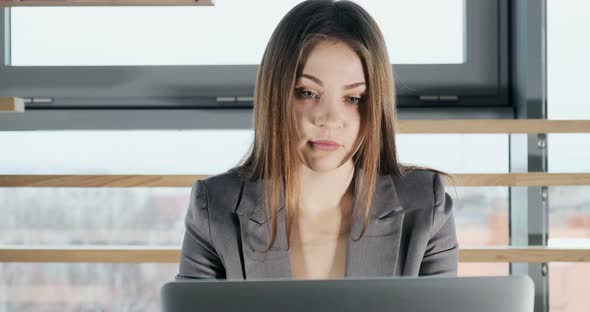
(513, 293)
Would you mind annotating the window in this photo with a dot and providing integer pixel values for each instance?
(567, 63)
(179, 56)
(182, 36)
(569, 206)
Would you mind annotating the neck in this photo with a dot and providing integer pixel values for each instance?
(325, 191)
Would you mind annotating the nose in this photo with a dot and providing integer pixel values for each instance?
(329, 113)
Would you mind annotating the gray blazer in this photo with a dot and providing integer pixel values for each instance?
(411, 231)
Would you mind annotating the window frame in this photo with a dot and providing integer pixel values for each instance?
(482, 80)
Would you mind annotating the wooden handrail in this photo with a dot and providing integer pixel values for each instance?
(522, 179)
(99, 180)
(16, 3)
(491, 179)
(129, 254)
(507, 126)
(524, 254)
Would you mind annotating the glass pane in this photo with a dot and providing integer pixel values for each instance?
(122, 152)
(83, 286)
(231, 32)
(568, 152)
(567, 66)
(93, 216)
(567, 59)
(569, 206)
(569, 216)
(569, 287)
(456, 153)
(481, 216)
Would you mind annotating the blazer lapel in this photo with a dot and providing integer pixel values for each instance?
(376, 253)
(255, 229)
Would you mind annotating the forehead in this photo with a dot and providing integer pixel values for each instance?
(334, 62)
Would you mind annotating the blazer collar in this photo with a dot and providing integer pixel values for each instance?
(375, 254)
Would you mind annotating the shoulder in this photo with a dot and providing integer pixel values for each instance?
(424, 189)
(219, 185)
(220, 192)
(420, 187)
(417, 182)
(222, 181)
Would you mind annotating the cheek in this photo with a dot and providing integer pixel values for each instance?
(301, 114)
(354, 121)
(353, 127)
(354, 130)
(300, 108)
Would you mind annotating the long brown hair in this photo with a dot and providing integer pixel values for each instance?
(273, 155)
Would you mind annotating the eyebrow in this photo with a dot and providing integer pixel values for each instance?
(318, 81)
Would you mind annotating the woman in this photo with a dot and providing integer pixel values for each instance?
(321, 193)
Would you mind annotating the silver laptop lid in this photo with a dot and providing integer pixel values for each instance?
(401, 294)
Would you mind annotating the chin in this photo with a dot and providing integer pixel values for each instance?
(323, 165)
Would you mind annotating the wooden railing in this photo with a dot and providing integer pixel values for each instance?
(491, 179)
(127, 254)
(507, 126)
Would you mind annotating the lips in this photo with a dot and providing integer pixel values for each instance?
(325, 145)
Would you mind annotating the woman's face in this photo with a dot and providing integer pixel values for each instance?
(326, 102)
